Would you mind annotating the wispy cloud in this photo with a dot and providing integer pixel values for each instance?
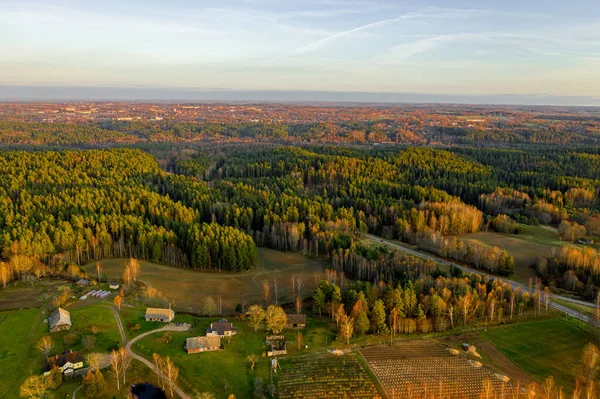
(427, 13)
(320, 43)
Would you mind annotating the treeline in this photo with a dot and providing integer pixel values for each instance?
(434, 129)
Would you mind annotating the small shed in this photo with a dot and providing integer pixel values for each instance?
(296, 321)
(82, 283)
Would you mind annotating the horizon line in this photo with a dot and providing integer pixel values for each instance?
(56, 93)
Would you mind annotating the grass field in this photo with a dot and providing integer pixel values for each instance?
(19, 331)
(228, 371)
(543, 348)
(82, 320)
(187, 288)
(522, 249)
(220, 372)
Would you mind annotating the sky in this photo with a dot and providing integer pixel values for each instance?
(527, 48)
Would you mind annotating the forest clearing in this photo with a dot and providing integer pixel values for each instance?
(524, 251)
(188, 288)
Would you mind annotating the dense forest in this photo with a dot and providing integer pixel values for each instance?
(419, 130)
(209, 208)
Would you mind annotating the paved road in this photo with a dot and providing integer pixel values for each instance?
(514, 284)
(128, 344)
(75, 391)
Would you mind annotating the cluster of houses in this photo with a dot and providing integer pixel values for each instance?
(212, 341)
(69, 361)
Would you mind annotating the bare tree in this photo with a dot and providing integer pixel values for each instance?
(115, 364)
(34, 387)
(346, 327)
(159, 367)
(125, 362)
(127, 275)
(210, 306)
(299, 339)
(136, 269)
(266, 292)
(450, 311)
(276, 290)
(45, 345)
(171, 374)
(513, 299)
(298, 304)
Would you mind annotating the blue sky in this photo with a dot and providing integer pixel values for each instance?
(523, 47)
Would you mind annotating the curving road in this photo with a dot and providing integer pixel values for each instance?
(75, 391)
(514, 284)
(128, 344)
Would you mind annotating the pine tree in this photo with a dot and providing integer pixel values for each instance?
(378, 317)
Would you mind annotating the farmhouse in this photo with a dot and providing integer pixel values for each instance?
(158, 314)
(113, 286)
(222, 328)
(203, 344)
(60, 320)
(82, 283)
(296, 321)
(67, 362)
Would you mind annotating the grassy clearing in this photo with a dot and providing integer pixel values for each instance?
(524, 251)
(83, 319)
(543, 348)
(19, 331)
(539, 234)
(187, 288)
(228, 371)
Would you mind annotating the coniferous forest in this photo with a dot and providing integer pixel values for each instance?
(209, 209)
